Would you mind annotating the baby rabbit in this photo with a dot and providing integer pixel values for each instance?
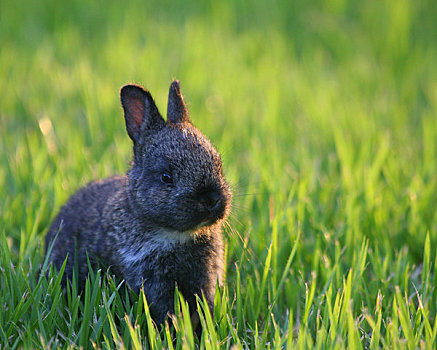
(159, 225)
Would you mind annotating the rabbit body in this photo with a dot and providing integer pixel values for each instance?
(160, 224)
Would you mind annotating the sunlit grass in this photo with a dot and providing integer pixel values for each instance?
(325, 115)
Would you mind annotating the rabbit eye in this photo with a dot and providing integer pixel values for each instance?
(166, 178)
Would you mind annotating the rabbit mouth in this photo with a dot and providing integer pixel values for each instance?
(190, 224)
(207, 219)
(206, 222)
(203, 224)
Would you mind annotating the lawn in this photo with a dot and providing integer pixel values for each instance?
(325, 113)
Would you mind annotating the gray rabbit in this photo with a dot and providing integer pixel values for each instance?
(161, 224)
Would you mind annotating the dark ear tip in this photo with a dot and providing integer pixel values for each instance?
(132, 90)
(175, 86)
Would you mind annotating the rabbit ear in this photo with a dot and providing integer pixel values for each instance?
(177, 111)
(140, 112)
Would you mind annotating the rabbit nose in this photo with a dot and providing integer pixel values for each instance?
(210, 200)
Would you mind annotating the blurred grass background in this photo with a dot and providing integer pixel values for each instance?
(324, 112)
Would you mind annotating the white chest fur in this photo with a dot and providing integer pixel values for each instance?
(161, 241)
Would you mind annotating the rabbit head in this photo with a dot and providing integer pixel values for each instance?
(176, 181)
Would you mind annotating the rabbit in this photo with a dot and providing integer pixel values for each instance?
(158, 226)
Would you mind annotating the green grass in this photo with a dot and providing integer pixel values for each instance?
(325, 113)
